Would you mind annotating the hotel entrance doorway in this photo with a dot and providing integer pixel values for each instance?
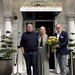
(39, 19)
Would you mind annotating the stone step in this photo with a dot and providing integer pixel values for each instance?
(52, 72)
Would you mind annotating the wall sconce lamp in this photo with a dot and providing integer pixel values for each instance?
(15, 17)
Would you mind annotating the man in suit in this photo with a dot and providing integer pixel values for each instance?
(29, 45)
(62, 51)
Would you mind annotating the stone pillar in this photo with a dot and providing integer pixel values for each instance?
(71, 34)
(71, 26)
(71, 29)
(8, 23)
(0, 37)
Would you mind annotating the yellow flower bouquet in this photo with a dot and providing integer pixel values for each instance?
(51, 41)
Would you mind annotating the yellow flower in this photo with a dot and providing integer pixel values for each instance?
(56, 39)
(49, 41)
(53, 39)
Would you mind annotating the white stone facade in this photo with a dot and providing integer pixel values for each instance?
(9, 7)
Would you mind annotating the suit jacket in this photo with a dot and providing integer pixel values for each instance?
(44, 40)
(63, 42)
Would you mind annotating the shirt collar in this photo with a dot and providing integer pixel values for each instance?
(59, 32)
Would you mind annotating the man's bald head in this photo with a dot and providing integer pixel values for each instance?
(29, 27)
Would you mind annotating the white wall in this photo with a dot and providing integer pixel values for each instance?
(61, 18)
(17, 28)
(1, 19)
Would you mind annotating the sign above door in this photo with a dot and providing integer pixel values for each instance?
(27, 9)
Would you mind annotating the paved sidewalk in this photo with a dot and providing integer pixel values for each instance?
(51, 73)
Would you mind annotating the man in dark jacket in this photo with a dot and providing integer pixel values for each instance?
(29, 49)
(61, 48)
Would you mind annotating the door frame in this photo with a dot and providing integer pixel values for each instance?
(34, 27)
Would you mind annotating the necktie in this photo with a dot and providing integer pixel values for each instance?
(41, 42)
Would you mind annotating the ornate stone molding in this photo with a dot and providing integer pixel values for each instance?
(8, 18)
(70, 17)
(28, 9)
(41, 3)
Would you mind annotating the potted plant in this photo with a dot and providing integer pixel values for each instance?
(71, 44)
(71, 53)
(6, 55)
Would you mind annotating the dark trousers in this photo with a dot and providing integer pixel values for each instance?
(31, 60)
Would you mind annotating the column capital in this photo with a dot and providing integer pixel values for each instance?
(8, 16)
(70, 17)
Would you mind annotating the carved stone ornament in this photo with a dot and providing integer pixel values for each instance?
(41, 3)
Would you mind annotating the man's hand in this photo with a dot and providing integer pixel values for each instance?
(55, 46)
(22, 50)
